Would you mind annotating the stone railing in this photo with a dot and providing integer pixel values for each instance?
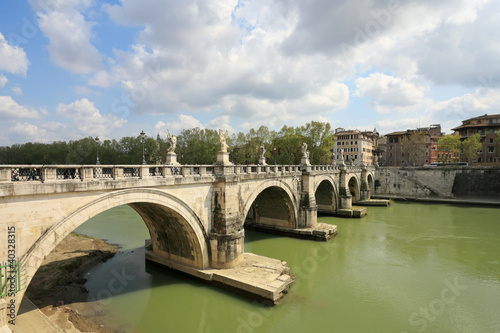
(43, 173)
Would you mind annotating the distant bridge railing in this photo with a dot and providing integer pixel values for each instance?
(24, 173)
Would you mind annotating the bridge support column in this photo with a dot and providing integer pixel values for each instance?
(227, 249)
(308, 210)
(227, 235)
(365, 188)
(344, 193)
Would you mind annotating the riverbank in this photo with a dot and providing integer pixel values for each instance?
(58, 287)
(470, 201)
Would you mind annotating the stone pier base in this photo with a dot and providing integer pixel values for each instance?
(320, 231)
(263, 279)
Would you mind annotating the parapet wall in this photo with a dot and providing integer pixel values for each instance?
(439, 182)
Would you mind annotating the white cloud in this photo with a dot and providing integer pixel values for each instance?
(70, 35)
(3, 81)
(12, 58)
(388, 93)
(10, 109)
(85, 119)
(183, 122)
(17, 90)
(223, 122)
(26, 132)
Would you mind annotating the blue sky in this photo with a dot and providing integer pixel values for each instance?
(74, 68)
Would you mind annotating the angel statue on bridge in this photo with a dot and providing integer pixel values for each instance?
(305, 152)
(172, 140)
(222, 140)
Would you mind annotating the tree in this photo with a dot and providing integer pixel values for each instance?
(413, 146)
(450, 146)
(319, 137)
(471, 147)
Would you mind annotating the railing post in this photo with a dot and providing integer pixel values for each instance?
(87, 173)
(48, 174)
(117, 172)
(144, 171)
(5, 174)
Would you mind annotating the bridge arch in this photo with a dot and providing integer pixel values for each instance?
(284, 214)
(326, 194)
(165, 237)
(354, 187)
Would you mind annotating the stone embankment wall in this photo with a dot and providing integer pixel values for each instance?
(439, 182)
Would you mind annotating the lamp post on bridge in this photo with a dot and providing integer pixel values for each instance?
(274, 155)
(142, 140)
(97, 150)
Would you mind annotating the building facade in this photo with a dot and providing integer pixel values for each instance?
(392, 149)
(356, 146)
(487, 126)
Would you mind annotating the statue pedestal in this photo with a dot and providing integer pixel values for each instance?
(305, 161)
(223, 158)
(262, 161)
(171, 159)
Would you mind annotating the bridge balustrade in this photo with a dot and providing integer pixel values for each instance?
(23, 173)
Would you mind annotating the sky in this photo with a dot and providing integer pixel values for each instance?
(76, 68)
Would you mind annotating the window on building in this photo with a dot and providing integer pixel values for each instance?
(491, 149)
(396, 139)
(355, 157)
(491, 140)
(491, 130)
(390, 154)
(391, 140)
(355, 142)
(480, 131)
(390, 147)
(426, 153)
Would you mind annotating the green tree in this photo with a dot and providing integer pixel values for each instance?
(198, 146)
(319, 138)
(450, 146)
(414, 146)
(471, 147)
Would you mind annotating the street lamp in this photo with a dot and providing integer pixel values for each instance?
(274, 155)
(97, 150)
(142, 140)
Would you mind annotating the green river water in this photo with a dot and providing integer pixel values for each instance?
(406, 268)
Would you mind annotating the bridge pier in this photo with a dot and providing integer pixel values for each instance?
(308, 213)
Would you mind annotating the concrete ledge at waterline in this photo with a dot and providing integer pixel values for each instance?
(320, 231)
(357, 212)
(374, 202)
(263, 279)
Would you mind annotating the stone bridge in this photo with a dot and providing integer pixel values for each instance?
(195, 214)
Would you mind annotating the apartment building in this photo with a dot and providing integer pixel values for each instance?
(392, 152)
(487, 127)
(358, 146)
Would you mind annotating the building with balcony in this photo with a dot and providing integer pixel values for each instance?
(358, 146)
(487, 126)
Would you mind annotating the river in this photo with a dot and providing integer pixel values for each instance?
(409, 267)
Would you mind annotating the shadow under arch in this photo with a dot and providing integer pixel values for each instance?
(272, 203)
(369, 180)
(326, 195)
(187, 238)
(353, 185)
